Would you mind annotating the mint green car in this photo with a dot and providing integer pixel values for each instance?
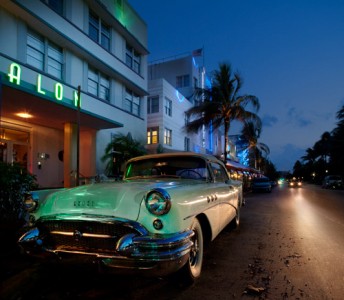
(156, 221)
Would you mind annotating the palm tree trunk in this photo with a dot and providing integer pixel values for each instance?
(226, 125)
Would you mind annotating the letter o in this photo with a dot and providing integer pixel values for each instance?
(58, 91)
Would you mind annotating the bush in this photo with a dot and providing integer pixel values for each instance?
(15, 181)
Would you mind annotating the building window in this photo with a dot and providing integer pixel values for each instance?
(44, 55)
(195, 82)
(153, 105)
(98, 31)
(132, 102)
(153, 135)
(55, 5)
(183, 81)
(133, 59)
(168, 137)
(186, 144)
(219, 172)
(98, 84)
(168, 107)
(186, 119)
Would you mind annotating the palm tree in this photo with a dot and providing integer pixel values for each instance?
(220, 104)
(119, 150)
(336, 152)
(310, 156)
(251, 132)
(322, 147)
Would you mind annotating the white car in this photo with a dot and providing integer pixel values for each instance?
(156, 221)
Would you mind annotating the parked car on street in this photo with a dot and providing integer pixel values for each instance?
(332, 182)
(155, 221)
(261, 184)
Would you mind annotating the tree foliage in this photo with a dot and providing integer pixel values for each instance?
(251, 132)
(326, 155)
(119, 150)
(15, 181)
(222, 103)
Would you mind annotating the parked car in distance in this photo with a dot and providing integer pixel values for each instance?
(261, 184)
(156, 221)
(295, 182)
(332, 182)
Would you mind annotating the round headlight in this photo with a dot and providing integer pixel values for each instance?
(31, 202)
(158, 202)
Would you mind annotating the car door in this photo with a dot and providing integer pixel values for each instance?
(226, 194)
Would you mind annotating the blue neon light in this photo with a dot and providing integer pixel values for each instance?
(180, 97)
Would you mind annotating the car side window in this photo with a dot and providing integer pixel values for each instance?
(219, 172)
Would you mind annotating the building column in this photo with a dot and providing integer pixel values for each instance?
(70, 154)
(88, 153)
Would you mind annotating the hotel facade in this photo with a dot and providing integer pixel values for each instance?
(72, 73)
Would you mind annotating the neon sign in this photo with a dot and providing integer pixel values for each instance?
(180, 97)
(14, 76)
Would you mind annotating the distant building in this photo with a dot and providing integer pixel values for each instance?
(47, 50)
(171, 87)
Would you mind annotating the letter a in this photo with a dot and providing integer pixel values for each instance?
(14, 73)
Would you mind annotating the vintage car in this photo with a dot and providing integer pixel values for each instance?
(156, 221)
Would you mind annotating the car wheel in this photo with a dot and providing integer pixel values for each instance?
(234, 224)
(192, 269)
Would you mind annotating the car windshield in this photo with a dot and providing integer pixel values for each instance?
(261, 180)
(176, 167)
(334, 177)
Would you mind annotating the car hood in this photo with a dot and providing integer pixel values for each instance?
(115, 199)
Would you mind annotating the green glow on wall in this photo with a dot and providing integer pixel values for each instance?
(14, 76)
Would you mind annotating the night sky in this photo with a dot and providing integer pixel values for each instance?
(290, 54)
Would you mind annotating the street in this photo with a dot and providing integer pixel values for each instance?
(290, 245)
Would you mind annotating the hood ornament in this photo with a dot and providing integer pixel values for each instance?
(77, 235)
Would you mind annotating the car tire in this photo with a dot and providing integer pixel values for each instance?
(192, 269)
(234, 224)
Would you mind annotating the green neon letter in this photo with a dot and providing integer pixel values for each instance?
(76, 99)
(14, 73)
(58, 91)
(39, 84)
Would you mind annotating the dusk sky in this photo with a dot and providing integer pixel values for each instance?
(290, 54)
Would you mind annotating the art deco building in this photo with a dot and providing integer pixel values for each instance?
(71, 74)
(171, 84)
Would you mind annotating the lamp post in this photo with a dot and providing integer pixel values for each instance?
(78, 139)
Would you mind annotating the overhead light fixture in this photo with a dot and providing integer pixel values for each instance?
(24, 115)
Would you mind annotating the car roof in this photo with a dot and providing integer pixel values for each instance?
(261, 179)
(207, 157)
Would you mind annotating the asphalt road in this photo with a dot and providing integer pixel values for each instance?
(290, 245)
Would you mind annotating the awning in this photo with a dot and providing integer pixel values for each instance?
(48, 113)
(230, 164)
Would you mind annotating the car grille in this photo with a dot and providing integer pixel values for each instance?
(89, 237)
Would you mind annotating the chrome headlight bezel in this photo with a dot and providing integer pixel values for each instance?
(158, 202)
(31, 201)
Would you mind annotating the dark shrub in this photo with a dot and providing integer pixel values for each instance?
(15, 181)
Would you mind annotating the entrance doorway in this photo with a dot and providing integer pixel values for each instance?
(14, 146)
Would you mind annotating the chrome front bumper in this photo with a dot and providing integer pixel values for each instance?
(155, 255)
